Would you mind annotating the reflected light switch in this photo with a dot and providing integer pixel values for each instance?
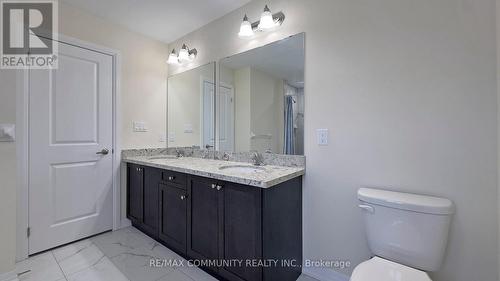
(171, 137)
(7, 132)
(188, 128)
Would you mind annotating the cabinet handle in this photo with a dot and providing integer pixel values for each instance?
(214, 185)
(139, 169)
(171, 178)
(219, 187)
(183, 197)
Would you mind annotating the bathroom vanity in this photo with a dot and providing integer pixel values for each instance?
(247, 219)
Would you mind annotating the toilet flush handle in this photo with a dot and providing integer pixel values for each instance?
(367, 208)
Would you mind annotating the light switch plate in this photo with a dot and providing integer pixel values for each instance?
(162, 138)
(7, 132)
(171, 137)
(140, 127)
(322, 136)
(188, 128)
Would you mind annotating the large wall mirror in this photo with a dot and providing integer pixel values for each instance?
(191, 121)
(260, 102)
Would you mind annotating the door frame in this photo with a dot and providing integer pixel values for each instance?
(22, 145)
(204, 79)
(233, 133)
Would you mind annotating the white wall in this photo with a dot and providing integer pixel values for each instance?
(143, 98)
(184, 105)
(143, 75)
(242, 112)
(258, 100)
(8, 164)
(408, 91)
(498, 114)
(266, 99)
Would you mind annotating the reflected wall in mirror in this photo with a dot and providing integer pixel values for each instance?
(260, 102)
(191, 120)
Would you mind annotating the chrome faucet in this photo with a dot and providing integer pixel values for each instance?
(206, 154)
(225, 157)
(179, 153)
(258, 159)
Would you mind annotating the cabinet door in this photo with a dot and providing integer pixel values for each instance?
(135, 194)
(242, 239)
(204, 219)
(152, 179)
(173, 212)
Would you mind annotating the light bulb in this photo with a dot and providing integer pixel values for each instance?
(184, 54)
(192, 56)
(246, 28)
(266, 20)
(172, 58)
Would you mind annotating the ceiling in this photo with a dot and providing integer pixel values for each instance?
(282, 59)
(164, 20)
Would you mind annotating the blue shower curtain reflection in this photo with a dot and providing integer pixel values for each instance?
(289, 145)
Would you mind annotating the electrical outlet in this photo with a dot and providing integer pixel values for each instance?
(322, 136)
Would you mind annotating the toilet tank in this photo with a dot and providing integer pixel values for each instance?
(406, 228)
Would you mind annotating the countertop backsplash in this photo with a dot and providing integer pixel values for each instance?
(244, 157)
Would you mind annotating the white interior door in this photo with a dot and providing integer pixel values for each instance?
(225, 100)
(71, 119)
(208, 139)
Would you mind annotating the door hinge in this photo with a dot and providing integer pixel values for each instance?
(28, 232)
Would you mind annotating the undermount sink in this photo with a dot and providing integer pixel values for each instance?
(243, 169)
(163, 157)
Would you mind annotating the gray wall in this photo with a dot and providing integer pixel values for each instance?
(8, 173)
(408, 91)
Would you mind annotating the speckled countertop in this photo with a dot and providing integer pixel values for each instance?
(263, 177)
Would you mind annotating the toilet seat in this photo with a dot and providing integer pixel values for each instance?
(379, 269)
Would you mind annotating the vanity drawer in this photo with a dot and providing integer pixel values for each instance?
(174, 177)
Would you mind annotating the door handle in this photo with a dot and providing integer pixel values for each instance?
(104, 151)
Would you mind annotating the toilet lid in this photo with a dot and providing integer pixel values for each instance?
(378, 269)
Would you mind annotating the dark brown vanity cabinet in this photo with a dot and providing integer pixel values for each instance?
(241, 231)
(142, 198)
(237, 227)
(204, 219)
(173, 212)
(251, 225)
(135, 193)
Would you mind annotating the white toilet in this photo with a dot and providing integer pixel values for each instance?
(407, 233)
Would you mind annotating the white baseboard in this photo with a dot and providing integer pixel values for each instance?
(125, 223)
(9, 276)
(325, 274)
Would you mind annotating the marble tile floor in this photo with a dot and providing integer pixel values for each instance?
(122, 255)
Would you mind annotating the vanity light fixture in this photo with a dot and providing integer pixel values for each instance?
(246, 29)
(267, 22)
(266, 19)
(185, 55)
(173, 58)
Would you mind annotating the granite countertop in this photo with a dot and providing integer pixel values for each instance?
(267, 177)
